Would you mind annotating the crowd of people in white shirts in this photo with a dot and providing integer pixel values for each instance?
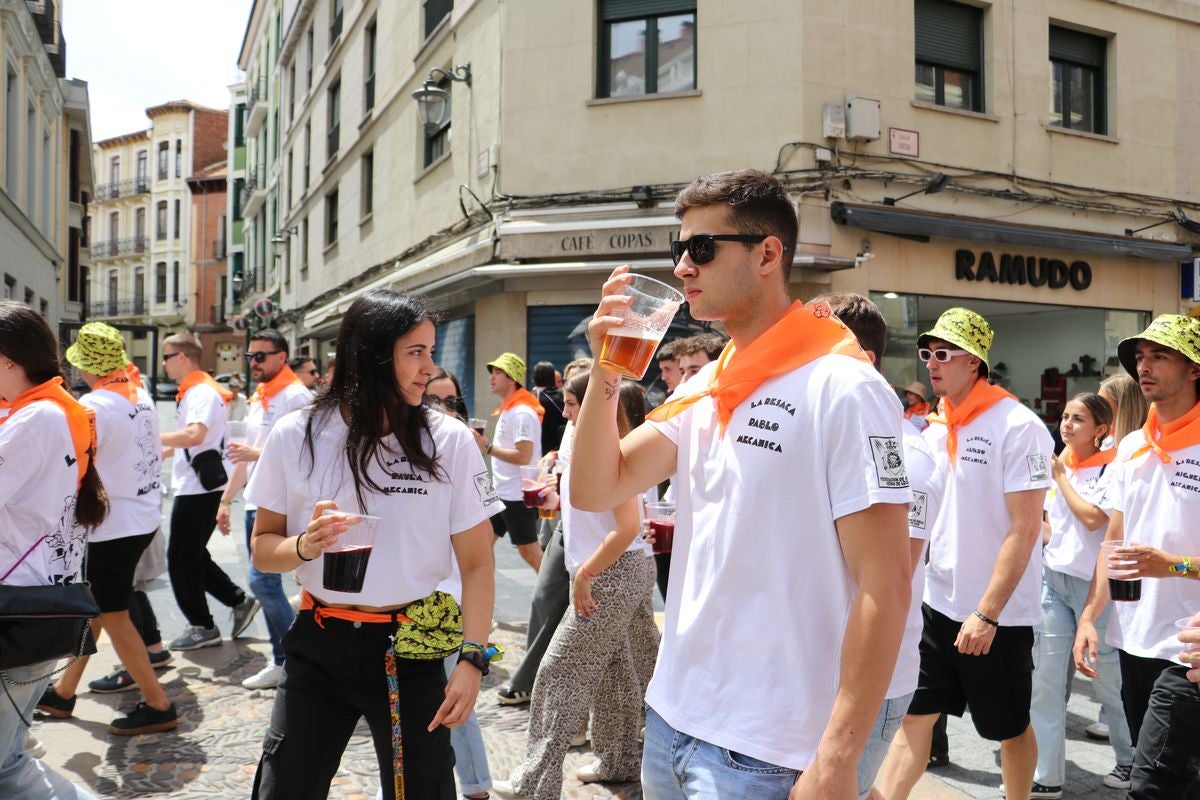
(802, 655)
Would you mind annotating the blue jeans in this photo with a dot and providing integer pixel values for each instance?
(470, 759)
(267, 587)
(676, 766)
(887, 722)
(22, 777)
(1063, 598)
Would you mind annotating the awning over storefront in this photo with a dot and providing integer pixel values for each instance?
(921, 224)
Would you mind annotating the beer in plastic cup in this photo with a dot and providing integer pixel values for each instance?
(629, 348)
(661, 517)
(344, 563)
(1121, 585)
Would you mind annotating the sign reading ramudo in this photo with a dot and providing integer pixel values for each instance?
(1021, 270)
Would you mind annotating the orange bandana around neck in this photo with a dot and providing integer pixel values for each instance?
(265, 391)
(197, 377)
(983, 395)
(1097, 459)
(81, 421)
(135, 375)
(521, 397)
(919, 410)
(803, 334)
(118, 382)
(1174, 435)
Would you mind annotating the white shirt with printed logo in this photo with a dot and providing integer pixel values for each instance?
(412, 554)
(38, 484)
(518, 424)
(585, 531)
(1072, 549)
(1161, 505)
(759, 586)
(128, 458)
(1005, 449)
(202, 404)
(259, 420)
(928, 486)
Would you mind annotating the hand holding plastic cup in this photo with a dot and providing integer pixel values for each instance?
(1123, 585)
(345, 561)
(236, 431)
(534, 479)
(1186, 624)
(479, 425)
(661, 518)
(628, 348)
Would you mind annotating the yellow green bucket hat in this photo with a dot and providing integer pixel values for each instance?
(98, 349)
(963, 328)
(1175, 331)
(511, 365)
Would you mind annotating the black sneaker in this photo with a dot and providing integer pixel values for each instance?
(160, 659)
(145, 719)
(508, 696)
(1047, 792)
(119, 680)
(53, 705)
(938, 761)
(1119, 777)
(243, 615)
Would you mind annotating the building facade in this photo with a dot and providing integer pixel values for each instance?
(1034, 162)
(142, 222)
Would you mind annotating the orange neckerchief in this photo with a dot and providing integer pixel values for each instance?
(118, 382)
(135, 375)
(1174, 435)
(521, 397)
(802, 334)
(321, 612)
(983, 395)
(1096, 459)
(81, 421)
(265, 391)
(197, 377)
(920, 410)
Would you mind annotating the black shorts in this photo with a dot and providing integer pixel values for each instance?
(997, 688)
(110, 568)
(519, 522)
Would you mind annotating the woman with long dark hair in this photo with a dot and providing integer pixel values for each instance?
(367, 445)
(50, 497)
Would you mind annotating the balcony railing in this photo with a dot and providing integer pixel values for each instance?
(116, 248)
(256, 107)
(133, 186)
(435, 12)
(254, 191)
(134, 307)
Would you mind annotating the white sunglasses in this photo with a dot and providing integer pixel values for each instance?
(941, 356)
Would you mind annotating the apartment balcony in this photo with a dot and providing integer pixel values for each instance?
(129, 188)
(110, 309)
(256, 108)
(116, 248)
(254, 192)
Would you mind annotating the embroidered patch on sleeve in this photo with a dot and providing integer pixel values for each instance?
(889, 462)
(917, 512)
(1039, 468)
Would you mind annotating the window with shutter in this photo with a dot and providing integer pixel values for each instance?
(1077, 80)
(949, 54)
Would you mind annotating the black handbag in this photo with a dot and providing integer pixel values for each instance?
(45, 623)
(209, 468)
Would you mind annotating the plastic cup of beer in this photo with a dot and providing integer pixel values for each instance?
(628, 348)
(661, 517)
(534, 479)
(1122, 583)
(480, 425)
(345, 562)
(236, 431)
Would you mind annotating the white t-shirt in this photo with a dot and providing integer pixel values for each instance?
(517, 424)
(259, 420)
(755, 544)
(412, 553)
(1161, 504)
(38, 483)
(128, 458)
(202, 404)
(928, 486)
(1072, 548)
(585, 531)
(1005, 449)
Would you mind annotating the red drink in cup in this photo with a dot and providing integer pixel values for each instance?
(534, 480)
(344, 564)
(661, 518)
(628, 349)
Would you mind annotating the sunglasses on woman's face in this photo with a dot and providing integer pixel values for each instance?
(702, 248)
(445, 402)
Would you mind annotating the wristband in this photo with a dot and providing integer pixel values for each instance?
(1184, 567)
(487, 450)
(987, 619)
(471, 646)
(298, 538)
(225, 502)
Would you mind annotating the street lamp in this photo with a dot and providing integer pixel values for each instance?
(432, 101)
(279, 242)
(937, 182)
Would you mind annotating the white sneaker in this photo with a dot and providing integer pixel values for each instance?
(589, 773)
(33, 747)
(505, 790)
(267, 678)
(1097, 730)
(580, 739)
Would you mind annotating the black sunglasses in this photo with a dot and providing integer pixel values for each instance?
(259, 358)
(444, 402)
(703, 246)
(168, 356)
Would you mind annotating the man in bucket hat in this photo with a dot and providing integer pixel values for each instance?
(1156, 509)
(983, 584)
(516, 441)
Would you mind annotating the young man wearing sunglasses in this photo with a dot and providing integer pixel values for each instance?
(279, 392)
(785, 424)
(983, 581)
(306, 370)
